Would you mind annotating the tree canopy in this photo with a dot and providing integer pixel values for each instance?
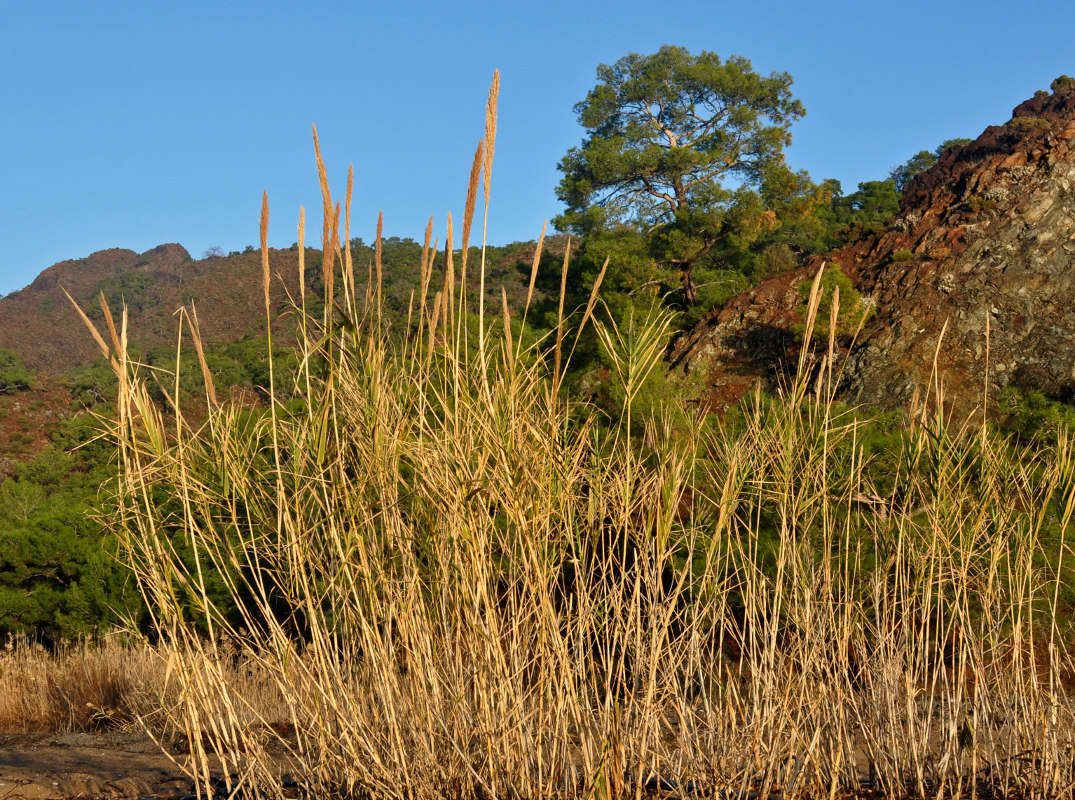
(676, 147)
(13, 373)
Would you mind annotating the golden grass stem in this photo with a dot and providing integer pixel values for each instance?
(557, 363)
(449, 280)
(348, 266)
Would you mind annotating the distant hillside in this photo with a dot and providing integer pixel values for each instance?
(40, 325)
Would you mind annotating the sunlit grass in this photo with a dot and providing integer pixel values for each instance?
(462, 582)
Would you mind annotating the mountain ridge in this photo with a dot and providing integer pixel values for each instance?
(39, 323)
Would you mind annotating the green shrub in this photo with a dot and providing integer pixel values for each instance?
(777, 259)
(1027, 124)
(853, 310)
(14, 377)
(1033, 416)
(126, 288)
(903, 254)
(976, 204)
(1064, 83)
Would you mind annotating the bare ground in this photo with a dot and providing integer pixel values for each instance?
(85, 765)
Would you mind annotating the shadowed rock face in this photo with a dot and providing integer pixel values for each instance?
(991, 235)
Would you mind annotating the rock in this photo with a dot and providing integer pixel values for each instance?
(990, 226)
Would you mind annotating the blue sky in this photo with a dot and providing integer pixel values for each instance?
(129, 124)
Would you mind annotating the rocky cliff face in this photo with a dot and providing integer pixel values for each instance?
(985, 241)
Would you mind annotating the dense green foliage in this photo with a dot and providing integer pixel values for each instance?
(14, 376)
(1034, 417)
(864, 212)
(836, 288)
(681, 184)
(677, 151)
(58, 573)
(921, 161)
(1063, 83)
(127, 287)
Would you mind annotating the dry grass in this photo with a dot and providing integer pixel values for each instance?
(452, 581)
(77, 687)
(114, 683)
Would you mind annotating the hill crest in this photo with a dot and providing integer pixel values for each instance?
(39, 323)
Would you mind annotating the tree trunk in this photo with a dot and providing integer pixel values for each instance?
(687, 292)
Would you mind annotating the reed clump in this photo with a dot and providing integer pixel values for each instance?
(460, 582)
(76, 686)
(114, 683)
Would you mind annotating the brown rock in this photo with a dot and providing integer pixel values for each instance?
(993, 217)
(1014, 160)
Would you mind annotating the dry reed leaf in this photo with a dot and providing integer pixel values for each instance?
(468, 211)
(593, 296)
(329, 259)
(560, 318)
(834, 315)
(91, 327)
(348, 267)
(425, 269)
(377, 254)
(124, 393)
(302, 255)
(326, 195)
(811, 316)
(490, 130)
(449, 277)
(985, 382)
(534, 265)
(438, 301)
(590, 304)
(174, 399)
(265, 249)
(207, 375)
(328, 226)
(490, 143)
(107, 312)
(913, 408)
(935, 373)
(506, 318)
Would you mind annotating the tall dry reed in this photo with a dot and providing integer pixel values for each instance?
(461, 582)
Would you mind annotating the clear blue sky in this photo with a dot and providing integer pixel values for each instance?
(129, 124)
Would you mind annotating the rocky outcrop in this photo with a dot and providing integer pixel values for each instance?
(984, 243)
